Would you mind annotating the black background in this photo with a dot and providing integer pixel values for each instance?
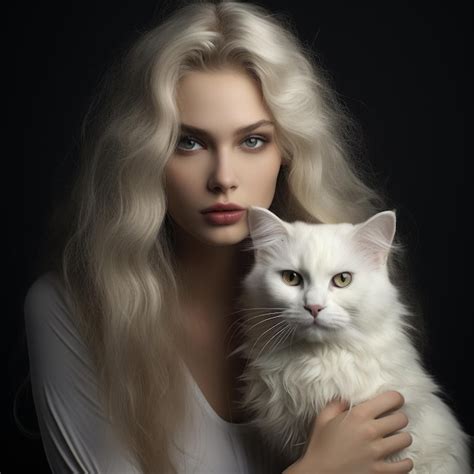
(402, 68)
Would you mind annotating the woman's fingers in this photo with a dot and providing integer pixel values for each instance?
(387, 425)
(392, 444)
(398, 467)
(383, 403)
(358, 439)
(330, 411)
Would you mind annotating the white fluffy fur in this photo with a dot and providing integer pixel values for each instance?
(359, 348)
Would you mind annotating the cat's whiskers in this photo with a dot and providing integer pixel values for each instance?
(250, 318)
(291, 329)
(291, 340)
(277, 333)
(281, 341)
(244, 316)
(256, 308)
(237, 328)
(286, 312)
(256, 341)
(283, 335)
(263, 321)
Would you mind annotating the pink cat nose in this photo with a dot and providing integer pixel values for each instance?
(314, 309)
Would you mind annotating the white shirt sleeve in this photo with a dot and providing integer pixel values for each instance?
(76, 436)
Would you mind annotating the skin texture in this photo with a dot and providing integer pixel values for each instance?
(228, 167)
(223, 167)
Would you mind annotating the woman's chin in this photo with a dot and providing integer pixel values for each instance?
(224, 235)
(225, 240)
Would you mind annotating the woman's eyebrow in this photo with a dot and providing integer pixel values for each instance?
(248, 128)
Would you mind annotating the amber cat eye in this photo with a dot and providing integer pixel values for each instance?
(291, 278)
(343, 279)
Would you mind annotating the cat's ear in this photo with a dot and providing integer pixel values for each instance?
(374, 237)
(266, 229)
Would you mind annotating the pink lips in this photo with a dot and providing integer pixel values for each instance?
(223, 214)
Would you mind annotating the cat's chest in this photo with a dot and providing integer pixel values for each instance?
(316, 378)
(351, 375)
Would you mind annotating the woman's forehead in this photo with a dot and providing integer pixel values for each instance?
(222, 93)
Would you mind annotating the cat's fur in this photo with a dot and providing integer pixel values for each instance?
(356, 347)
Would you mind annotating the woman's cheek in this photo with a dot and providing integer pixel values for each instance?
(264, 181)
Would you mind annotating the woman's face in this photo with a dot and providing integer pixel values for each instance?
(218, 162)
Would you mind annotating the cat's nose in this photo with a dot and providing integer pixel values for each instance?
(314, 309)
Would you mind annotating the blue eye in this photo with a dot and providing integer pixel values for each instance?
(253, 142)
(189, 141)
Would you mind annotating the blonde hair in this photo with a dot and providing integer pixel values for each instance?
(117, 262)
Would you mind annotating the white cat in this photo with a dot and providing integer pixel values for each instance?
(354, 347)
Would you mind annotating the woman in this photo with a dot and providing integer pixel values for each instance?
(129, 336)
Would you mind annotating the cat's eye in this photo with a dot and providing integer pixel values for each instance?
(291, 278)
(343, 279)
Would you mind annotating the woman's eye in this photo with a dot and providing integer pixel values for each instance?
(291, 278)
(188, 144)
(341, 280)
(253, 142)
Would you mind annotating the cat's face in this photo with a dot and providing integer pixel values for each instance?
(318, 282)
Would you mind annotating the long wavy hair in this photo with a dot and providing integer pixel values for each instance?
(116, 261)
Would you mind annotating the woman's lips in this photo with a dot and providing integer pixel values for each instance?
(224, 217)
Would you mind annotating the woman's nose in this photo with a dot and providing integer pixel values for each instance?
(223, 174)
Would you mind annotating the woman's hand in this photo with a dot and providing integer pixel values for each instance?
(357, 441)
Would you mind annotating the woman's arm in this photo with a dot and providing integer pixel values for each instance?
(357, 440)
(76, 436)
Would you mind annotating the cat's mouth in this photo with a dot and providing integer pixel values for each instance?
(315, 324)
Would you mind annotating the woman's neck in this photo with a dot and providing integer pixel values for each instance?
(209, 286)
(209, 276)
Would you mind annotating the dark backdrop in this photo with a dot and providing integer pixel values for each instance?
(403, 70)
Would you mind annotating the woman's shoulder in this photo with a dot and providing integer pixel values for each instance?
(47, 289)
(75, 431)
(46, 300)
(58, 355)
(48, 286)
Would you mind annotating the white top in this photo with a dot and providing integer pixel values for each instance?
(78, 438)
